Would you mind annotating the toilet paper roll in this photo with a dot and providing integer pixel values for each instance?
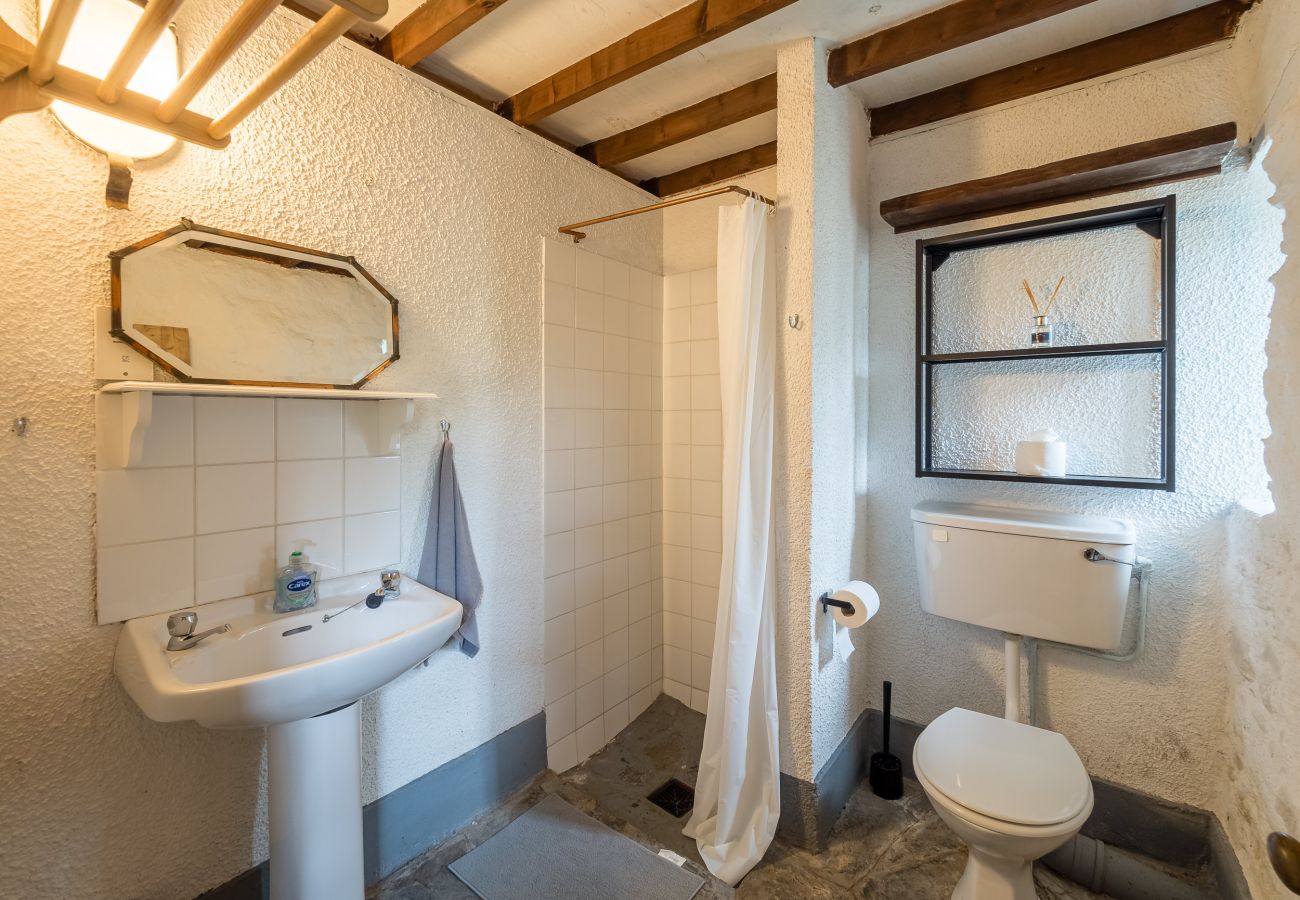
(1043, 453)
(863, 598)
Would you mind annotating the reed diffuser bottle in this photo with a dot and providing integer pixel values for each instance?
(1041, 334)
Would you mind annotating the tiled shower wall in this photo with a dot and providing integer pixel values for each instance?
(604, 591)
(692, 483)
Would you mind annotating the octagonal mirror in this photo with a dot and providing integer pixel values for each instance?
(217, 307)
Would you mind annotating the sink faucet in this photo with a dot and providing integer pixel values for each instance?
(181, 628)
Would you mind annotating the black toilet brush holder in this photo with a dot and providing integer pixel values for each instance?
(886, 772)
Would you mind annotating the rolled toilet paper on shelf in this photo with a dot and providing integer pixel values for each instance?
(1043, 453)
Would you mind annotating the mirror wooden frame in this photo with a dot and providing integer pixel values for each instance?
(117, 331)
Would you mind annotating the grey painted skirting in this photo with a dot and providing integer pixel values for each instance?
(1122, 817)
(401, 825)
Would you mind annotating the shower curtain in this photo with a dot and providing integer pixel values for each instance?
(737, 793)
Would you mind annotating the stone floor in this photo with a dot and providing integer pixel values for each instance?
(879, 849)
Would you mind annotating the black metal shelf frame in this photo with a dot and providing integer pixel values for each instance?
(1156, 218)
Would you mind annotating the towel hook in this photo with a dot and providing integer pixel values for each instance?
(446, 429)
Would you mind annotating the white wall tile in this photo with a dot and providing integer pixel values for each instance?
(588, 389)
(617, 279)
(361, 429)
(704, 286)
(677, 290)
(234, 564)
(372, 484)
(589, 350)
(558, 384)
(558, 591)
(142, 579)
(589, 428)
(700, 701)
(616, 720)
(559, 429)
(559, 470)
(589, 701)
(558, 678)
(617, 316)
(588, 502)
(591, 737)
(700, 665)
(563, 754)
(372, 541)
(308, 429)
(589, 311)
(559, 719)
(588, 585)
(136, 505)
(234, 498)
(590, 272)
(588, 546)
(560, 262)
(558, 512)
(677, 690)
(235, 430)
(615, 650)
(558, 553)
(558, 345)
(558, 637)
(589, 661)
(557, 304)
(308, 489)
(320, 541)
(171, 433)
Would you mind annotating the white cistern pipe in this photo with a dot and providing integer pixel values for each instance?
(1011, 668)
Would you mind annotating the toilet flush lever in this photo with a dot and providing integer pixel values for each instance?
(1092, 554)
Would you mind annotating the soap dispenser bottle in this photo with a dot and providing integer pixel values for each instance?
(295, 586)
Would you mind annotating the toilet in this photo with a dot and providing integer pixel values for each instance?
(1010, 791)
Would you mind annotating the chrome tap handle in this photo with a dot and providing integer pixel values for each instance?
(182, 624)
(392, 582)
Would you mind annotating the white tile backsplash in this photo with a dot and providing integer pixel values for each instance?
(140, 579)
(372, 484)
(308, 429)
(371, 542)
(234, 430)
(308, 489)
(198, 521)
(320, 541)
(234, 498)
(137, 505)
(234, 564)
(602, 465)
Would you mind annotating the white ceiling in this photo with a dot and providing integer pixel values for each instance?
(524, 41)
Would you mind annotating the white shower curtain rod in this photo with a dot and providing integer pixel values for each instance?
(573, 232)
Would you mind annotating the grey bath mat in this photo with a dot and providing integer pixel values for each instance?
(554, 852)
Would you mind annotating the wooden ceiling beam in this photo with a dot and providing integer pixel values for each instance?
(1192, 154)
(728, 108)
(948, 27)
(433, 24)
(1182, 33)
(679, 32)
(724, 167)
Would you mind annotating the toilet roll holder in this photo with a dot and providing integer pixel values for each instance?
(828, 601)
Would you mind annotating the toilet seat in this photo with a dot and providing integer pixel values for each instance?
(1002, 771)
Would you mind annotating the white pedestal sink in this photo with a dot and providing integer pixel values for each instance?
(301, 677)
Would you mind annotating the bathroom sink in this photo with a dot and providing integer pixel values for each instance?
(271, 668)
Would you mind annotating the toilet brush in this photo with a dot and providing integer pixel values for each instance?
(886, 774)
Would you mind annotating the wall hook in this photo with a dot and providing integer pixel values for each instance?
(445, 425)
(20, 426)
(793, 321)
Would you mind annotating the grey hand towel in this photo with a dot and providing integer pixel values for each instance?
(447, 564)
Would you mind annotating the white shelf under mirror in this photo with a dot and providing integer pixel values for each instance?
(128, 427)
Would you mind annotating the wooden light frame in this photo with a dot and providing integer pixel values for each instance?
(30, 75)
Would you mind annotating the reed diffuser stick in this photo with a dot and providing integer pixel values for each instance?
(1030, 292)
(1052, 300)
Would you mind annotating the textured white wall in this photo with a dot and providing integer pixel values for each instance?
(821, 234)
(691, 230)
(1155, 724)
(444, 204)
(1261, 793)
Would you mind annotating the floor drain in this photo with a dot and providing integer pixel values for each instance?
(673, 797)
